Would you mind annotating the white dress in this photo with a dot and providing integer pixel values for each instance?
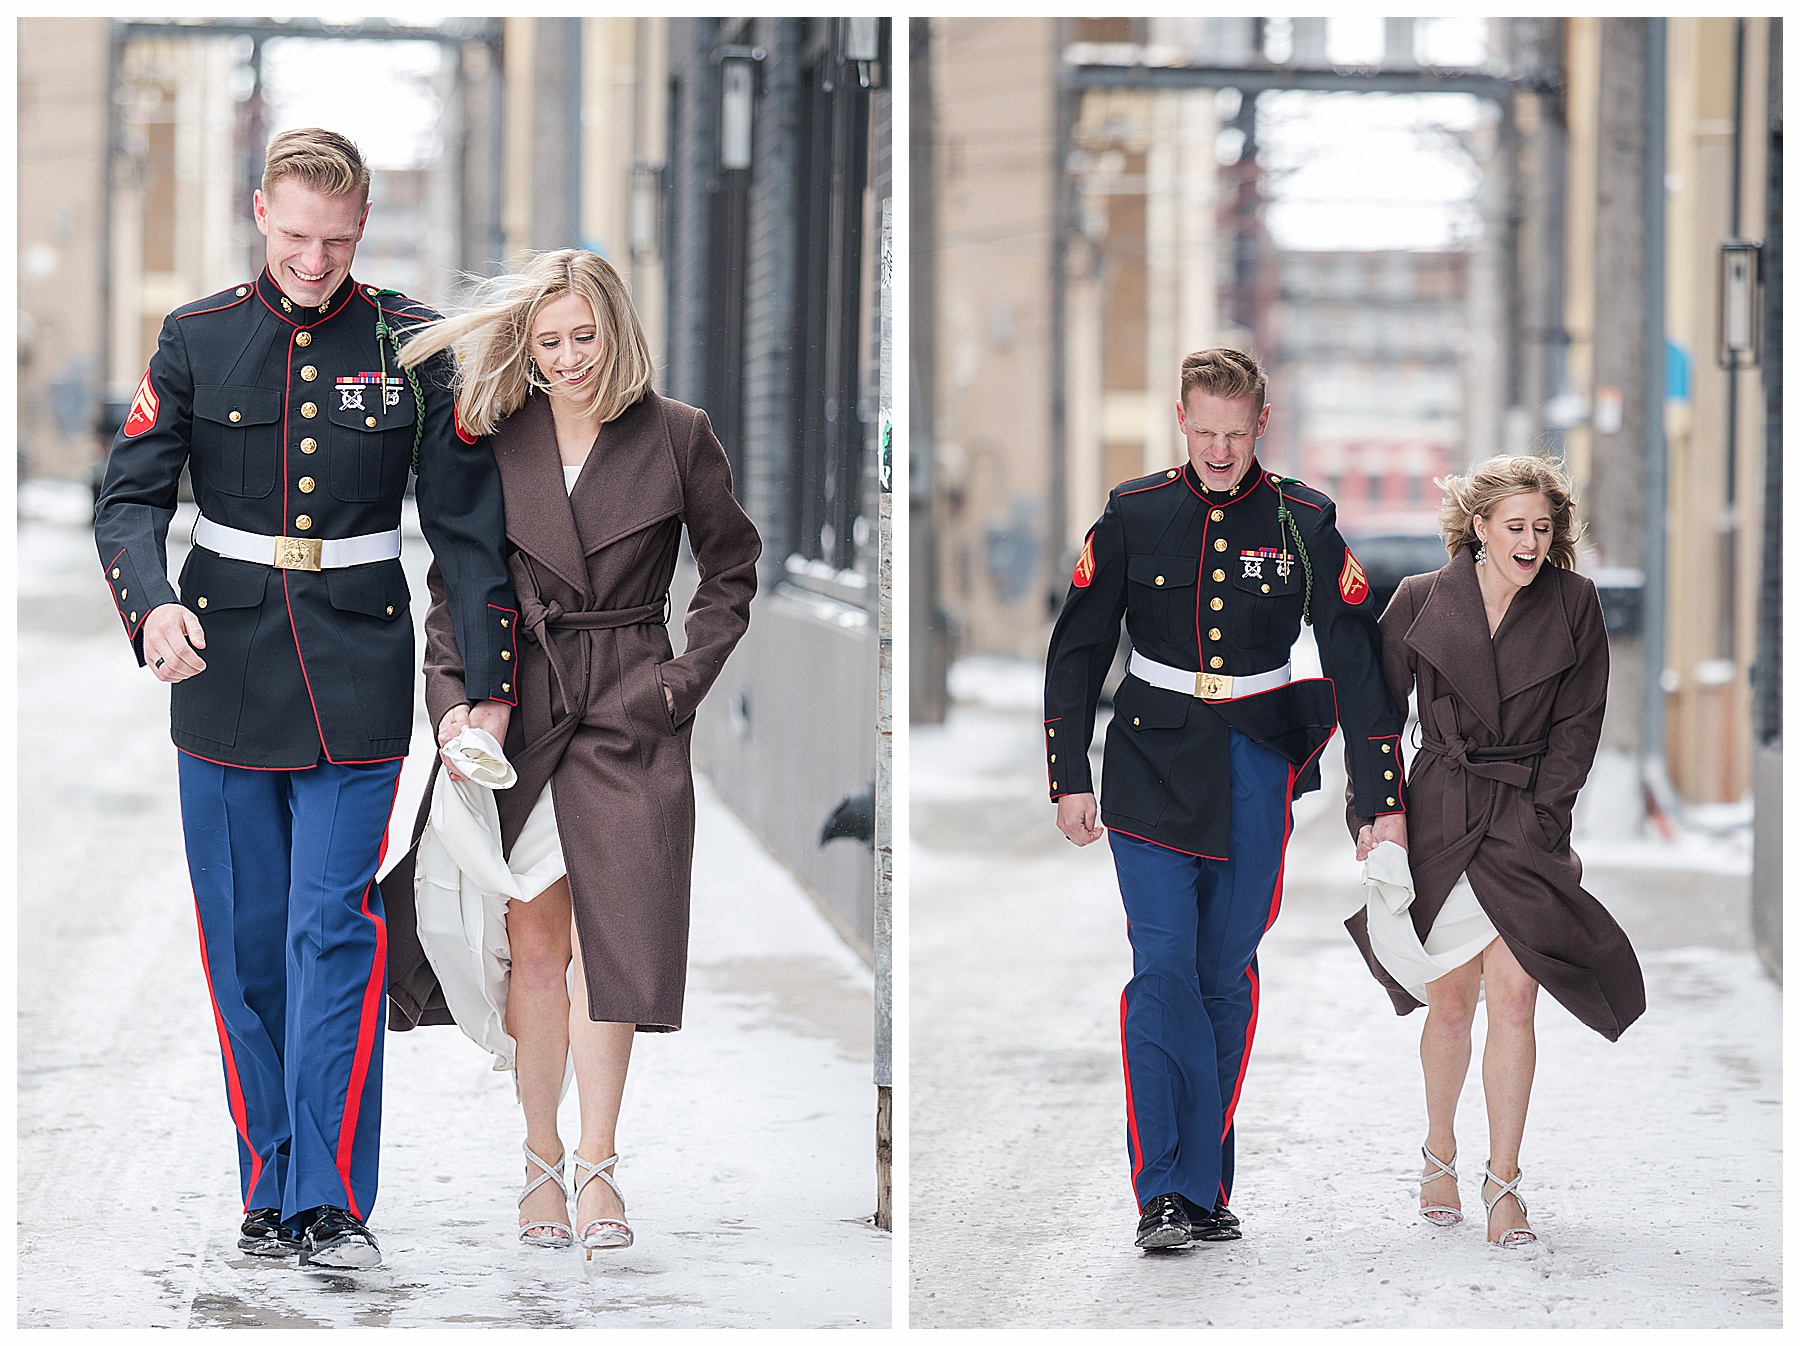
(1462, 929)
(462, 884)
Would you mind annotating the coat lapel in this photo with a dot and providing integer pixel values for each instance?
(539, 521)
(1533, 642)
(1450, 634)
(630, 481)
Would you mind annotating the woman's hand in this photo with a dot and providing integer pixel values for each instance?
(455, 720)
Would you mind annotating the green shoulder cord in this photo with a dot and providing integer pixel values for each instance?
(383, 330)
(1288, 526)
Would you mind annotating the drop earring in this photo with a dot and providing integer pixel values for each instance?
(1481, 553)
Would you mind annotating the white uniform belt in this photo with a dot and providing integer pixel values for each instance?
(1208, 686)
(296, 553)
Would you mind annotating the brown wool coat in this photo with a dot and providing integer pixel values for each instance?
(1508, 729)
(591, 716)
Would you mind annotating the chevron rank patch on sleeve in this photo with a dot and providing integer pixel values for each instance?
(1353, 584)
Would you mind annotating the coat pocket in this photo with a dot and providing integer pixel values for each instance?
(1162, 593)
(371, 439)
(237, 438)
(1142, 741)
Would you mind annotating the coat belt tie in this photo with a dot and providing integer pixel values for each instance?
(1507, 763)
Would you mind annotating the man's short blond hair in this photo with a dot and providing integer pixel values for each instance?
(1224, 372)
(324, 160)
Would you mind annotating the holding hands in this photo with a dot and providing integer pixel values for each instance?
(1388, 827)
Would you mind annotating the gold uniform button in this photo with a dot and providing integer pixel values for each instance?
(1218, 516)
(309, 373)
(1387, 747)
(303, 522)
(505, 622)
(124, 593)
(1220, 544)
(1218, 577)
(1390, 801)
(303, 338)
(1215, 662)
(1217, 603)
(1387, 775)
(506, 686)
(242, 290)
(1052, 733)
(1265, 588)
(370, 422)
(1159, 579)
(506, 654)
(1135, 720)
(306, 485)
(1052, 757)
(309, 409)
(200, 602)
(1213, 634)
(134, 616)
(1173, 473)
(309, 446)
(235, 417)
(368, 289)
(115, 572)
(390, 609)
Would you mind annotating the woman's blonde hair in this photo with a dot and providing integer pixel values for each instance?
(1487, 484)
(492, 339)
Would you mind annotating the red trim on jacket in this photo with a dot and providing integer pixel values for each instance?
(1165, 845)
(1155, 485)
(513, 663)
(1131, 1126)
(238, 299)
(131, 627)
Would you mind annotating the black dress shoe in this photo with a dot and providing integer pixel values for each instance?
(1165, 1223)
(263, 1234)
(337, 1239)
(1220, 1225)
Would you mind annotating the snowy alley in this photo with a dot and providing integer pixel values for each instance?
(747, 1138)
(1652, 1167)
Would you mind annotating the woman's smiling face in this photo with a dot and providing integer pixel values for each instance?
(566, 344)
(1517, 534)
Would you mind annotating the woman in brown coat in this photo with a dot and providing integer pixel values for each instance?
(600, 476)
(1506, 648)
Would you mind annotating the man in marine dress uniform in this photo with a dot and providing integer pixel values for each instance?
(290, 651)
(1213, 566)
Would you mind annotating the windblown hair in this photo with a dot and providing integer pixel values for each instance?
(1497, 479)
(1224, 372)
(492, 339)
(324, 160)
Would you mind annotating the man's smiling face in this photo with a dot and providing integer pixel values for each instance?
(1221, 434)
(312, 238)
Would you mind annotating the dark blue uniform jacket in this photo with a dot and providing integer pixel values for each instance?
(299, 422)
(1215, 583)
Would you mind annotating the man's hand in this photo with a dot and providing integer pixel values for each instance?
(455, 720)
(1388, 827)
(1075, 818)
(492, 716)
(172, 634)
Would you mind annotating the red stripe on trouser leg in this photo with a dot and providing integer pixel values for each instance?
(368, 1026)
(234, 1088)
(1255, 987)
(1131, 1126)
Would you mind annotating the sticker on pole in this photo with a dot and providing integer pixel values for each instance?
(143, 408)
(1353, 584)
(1084, 567)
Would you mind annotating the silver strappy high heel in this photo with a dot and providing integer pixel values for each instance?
(561, 1235)
(1509, 1238)
(1444, 1217)
(599, 1235)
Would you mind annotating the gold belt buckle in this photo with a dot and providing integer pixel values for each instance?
(298, 553)
(1212, 686)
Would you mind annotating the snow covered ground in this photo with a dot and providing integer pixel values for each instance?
(1652, 1167)
(748, 1137)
